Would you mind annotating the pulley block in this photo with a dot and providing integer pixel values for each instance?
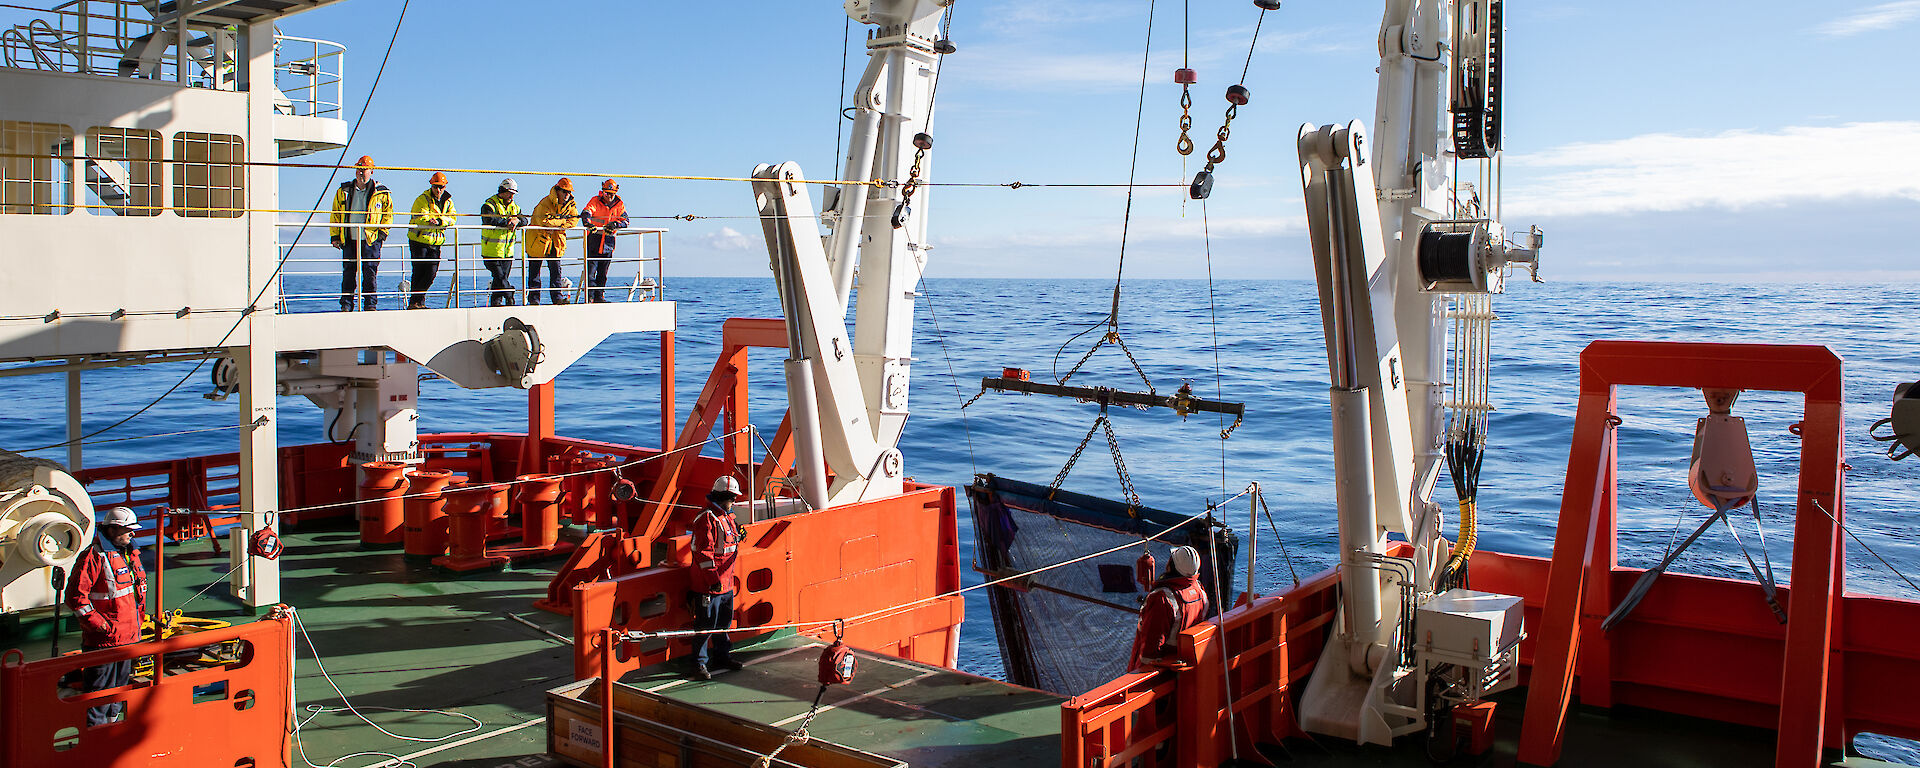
(1202, 185)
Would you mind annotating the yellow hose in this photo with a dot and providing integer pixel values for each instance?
(1463, 547)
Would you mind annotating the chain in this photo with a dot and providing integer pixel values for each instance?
(1120, 468)
(1088, 356)
(1136, 363)
(1114, 338)
(913, 176)
(976, 398)
(1185, 145)
(1218, 154)
(1228, 432)
(1061, 478)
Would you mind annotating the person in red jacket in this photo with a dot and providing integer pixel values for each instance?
(603, 216)
(108, 592)
(1175, 603)
(716, 541)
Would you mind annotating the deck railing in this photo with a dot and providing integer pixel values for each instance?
(310, 281)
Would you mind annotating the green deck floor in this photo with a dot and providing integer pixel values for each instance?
(401, 634)
(920, 714)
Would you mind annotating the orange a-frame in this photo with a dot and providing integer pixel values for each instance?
(1579, 592)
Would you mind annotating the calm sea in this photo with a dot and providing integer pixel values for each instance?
(1269, 354)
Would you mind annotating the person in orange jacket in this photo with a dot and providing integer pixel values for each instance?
(1175, 603)
(108, 592)
(716, 542)
(603, 216)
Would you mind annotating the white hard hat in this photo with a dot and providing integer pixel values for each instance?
(123, 517)
(1185, 561)
(508, 185)
(726, 484)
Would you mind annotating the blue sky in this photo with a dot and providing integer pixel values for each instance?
(1767, 140)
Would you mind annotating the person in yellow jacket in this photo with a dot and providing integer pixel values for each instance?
(432, 214)
(559, 211)
(501, 220)
(367, 208)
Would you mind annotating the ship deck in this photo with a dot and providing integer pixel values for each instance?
(399, 634)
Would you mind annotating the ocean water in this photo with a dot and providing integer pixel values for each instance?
(1269, 353)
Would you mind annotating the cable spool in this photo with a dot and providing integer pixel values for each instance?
(1450, 257)
(515, 352)
(46, 519)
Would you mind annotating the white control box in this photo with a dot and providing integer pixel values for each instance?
(1462, 626)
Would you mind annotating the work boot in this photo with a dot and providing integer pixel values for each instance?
(732, 664)
(558, 298)
(346, 305)
(700, 673)
(371, 305)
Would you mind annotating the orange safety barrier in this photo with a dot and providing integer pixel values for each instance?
(229, 714)
(1129, 721)
(810, 566)
(1257, 686)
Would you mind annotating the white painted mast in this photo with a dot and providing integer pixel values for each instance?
(853, 387)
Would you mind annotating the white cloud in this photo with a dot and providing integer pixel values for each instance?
(728, 239)
(1872, 19)
(1731, 170)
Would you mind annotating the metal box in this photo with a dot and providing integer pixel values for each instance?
(1462, 626)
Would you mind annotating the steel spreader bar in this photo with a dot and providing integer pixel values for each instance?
(1181, 401)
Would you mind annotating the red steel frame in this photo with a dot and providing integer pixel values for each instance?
(811, 566)
(1581, 582)
(1179, 717)
(165, 725)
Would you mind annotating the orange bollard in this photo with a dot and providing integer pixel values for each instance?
(596, 497)
(426, 513)
(382, 513)
(539, 503)
(469, 514)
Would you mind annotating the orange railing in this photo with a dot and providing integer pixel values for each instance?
(1234, 685)
(222, 713)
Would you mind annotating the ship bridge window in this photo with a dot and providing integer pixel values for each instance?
(123, 171)
(209, 175)
(43, 182)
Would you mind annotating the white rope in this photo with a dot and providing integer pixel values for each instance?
(392, 760)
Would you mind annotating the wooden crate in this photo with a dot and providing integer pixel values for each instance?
(658, 732)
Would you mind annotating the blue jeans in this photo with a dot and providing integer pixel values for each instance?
(712, 612)
(102, 677)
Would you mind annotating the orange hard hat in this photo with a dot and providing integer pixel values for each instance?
(439, 179)
(564, 183)
(610, 185)
(365, 161)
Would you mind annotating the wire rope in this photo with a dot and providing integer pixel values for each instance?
(952, 376)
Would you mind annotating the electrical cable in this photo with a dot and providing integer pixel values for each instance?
(254, 304)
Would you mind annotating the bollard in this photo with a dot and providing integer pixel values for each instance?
(426, 513)
(382, 512)
(469, 515)
(539, 503)
(596, 496)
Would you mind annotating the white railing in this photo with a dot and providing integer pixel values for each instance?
(309, 74)
(120, 38)
(310, 280)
